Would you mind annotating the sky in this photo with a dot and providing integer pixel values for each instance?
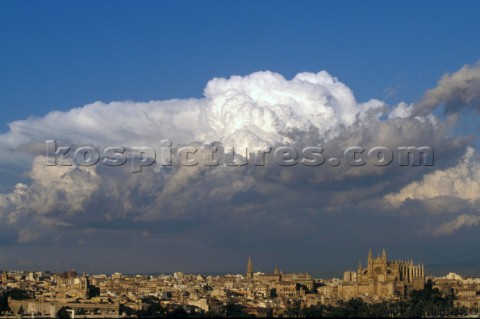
(245, 74)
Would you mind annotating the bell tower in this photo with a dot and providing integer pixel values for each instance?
(249, 268)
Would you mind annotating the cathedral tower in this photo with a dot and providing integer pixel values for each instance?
(249, 268)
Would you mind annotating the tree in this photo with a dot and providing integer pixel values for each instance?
(93, 291)
(294, 309)
(63, 313)
(313, 311)
(178, 312)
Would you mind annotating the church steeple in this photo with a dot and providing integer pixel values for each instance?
(249, 268)
(384, 255)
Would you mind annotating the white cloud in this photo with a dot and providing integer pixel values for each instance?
(461, 221)
(257, 110)
(402, 110)
(461, 181)
(264, 106)
(254, 110)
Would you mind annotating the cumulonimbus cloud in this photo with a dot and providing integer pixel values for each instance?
(258, 110)
(250, 111)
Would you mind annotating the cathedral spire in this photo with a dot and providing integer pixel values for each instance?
(370, 258)
(384, 255)
(249, 268)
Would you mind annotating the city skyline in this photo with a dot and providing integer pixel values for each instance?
(379, 287)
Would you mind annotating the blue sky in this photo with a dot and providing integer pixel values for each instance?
(59, 55)
(134, 56)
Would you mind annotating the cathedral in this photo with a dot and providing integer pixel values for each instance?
(382, 278)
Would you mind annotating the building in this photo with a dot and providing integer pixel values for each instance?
(285, 285)
(50, 308)
(249, 273)
(467, 298)
(286, 289)
(382, 279)
(349, 276)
